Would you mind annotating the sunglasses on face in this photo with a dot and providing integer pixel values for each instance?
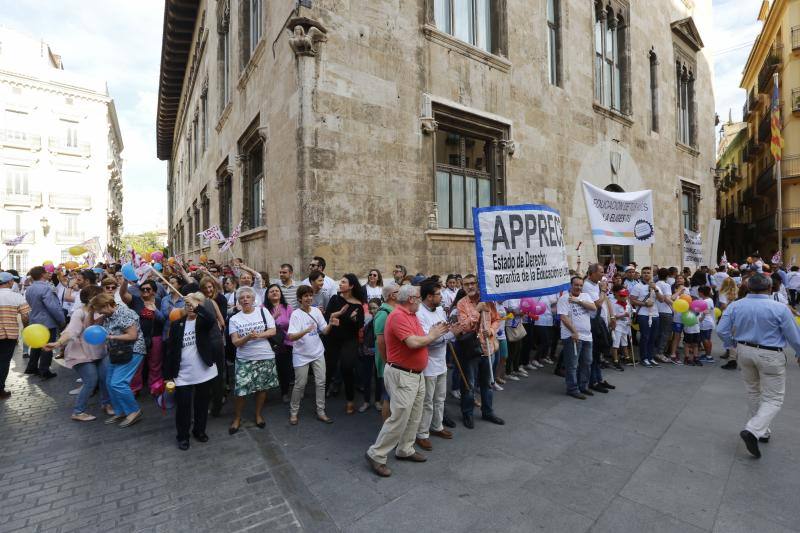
(110, 287)
(147, 289)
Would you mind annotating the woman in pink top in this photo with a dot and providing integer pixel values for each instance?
(89, 361)
(281, 345)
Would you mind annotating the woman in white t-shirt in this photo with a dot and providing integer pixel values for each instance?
(255, 372)
(305, 327)
(192, 367)
(374, 286)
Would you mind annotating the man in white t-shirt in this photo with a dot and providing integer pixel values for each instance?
(575, 309)
(645, 297)
(305, 327)
(664, 306)
(430, 313)
(718, 277)
(597, 288)
(793, 285)
(330, 286)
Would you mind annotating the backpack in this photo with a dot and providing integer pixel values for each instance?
(369, 331)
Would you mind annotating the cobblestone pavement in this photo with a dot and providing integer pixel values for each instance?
(659, 454)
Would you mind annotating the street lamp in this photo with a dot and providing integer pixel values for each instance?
(45, 225)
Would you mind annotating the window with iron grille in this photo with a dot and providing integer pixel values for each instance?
(554, 41)
(224, 53)
(689, 205)
(611, 68)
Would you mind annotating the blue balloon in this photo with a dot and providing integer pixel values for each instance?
(97, 270)
(95, 335)
(158, 267)
(129, 272)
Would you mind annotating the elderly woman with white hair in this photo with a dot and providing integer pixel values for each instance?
(255, 371)
(195, 345)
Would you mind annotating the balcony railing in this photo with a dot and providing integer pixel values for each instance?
(70, 237)
(748, 196)
(795, 38)
(790, 166)
(766, 180)
(31, 200)
(766, 224)
(791, 218)
(70, 201)
(63, 146)
(771, 63)
(8, 234)
(20, 139)
(765, 129)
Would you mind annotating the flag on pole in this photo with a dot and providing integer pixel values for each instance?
(776, 259)
(212, 234)
(230, 241)
(610, 270)
(724, 260)
(16, 240)
(776, 144)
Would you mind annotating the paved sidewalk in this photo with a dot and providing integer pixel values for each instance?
(659, 454)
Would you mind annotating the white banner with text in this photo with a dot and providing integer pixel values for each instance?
(692, 248)
(620, 217)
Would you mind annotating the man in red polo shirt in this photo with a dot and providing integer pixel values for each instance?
(406, 358)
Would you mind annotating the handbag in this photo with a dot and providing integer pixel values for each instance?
(276, 341)
(470, 345)
(120, 352)
(601, 336)
(516, 333)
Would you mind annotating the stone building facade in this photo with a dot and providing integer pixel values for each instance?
(364, 130)
(60, 151)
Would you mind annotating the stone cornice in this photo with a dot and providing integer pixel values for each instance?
(14, 78)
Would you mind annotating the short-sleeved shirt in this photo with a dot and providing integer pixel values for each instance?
(623, 323)
(122, 319)
(578, 314)
(11, 304)
(256, 321)
(664, 308)
(707, 316)
(400, 325)
(593, 290)
(437, 350)
(641, 292)
(379, 325)
(192, 370)
(309, 347)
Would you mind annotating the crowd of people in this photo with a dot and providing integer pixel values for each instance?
(203, 335)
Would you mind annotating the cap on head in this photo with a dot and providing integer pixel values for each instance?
(6, 277)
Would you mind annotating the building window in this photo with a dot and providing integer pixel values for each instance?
(685, 100)
(469, 167)
(188, 157)
(225, 198)
(255, 24)
(70, 224)
(554, 41)
(205, 210)
(196, 139)
(471, 21)
(689, 206)
(16, 179)
(621, 255)
(16, 122)
(611, 72)
(653, 90)
(204, 116)
(69, 129)
(197, 225)
(224, 53)
(255, 186)
(251, 24)
(18, 260)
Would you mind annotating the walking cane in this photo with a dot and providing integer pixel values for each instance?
(489, 352)
(458, 365)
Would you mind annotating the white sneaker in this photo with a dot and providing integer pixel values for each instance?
(512, 377)
(522, 372)
(75, 392)
(537, 364)
(79, 380)
(495, 386)
(548, 361)
(456, 394)
(530, 366)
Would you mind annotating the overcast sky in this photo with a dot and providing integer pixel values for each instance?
(120, 41)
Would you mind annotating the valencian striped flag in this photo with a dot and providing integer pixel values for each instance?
(776, 145)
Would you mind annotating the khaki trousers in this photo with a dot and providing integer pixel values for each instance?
(300, 380)
(433, 405)
(406, 395)
(764, 373)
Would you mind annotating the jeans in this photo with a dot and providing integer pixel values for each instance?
(577, 364)
(119, 385)
(500, 355)
(664, 333)
(40, 359)
(7, 347)
(478, 373)
(91, 374)
(366, 369)
(183, 408)
(648, 330)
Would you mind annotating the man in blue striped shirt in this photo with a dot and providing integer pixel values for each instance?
(761, 328)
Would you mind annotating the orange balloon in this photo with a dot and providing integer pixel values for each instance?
(146, 257)
(203, 258)
(687, 298)
(175, 315)
(171, 260)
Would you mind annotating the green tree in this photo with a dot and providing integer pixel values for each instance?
(143, 242)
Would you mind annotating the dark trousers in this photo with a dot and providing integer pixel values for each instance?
(512, 362)
(183, 408)
(7, 347)
(217, 388)
(283, 362)
(368, 372)
(40, 359)
(555, 334)
(478, 373)
(344, 354)
(595, 373)
(527, 345)
(543, 338)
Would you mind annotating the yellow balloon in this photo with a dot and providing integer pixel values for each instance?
(680, 306)
(71, 265)
(36, 335)
(717, 312)
(77, 250)
(797, 319)
(48, 262)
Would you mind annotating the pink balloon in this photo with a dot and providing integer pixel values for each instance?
(49, 268)
(527, 305)
(540, 308)
(698, 306)
(157, 256)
